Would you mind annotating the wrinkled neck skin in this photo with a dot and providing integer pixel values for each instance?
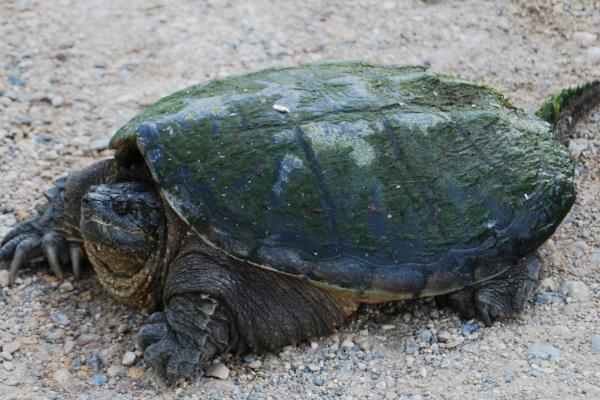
(144, 288)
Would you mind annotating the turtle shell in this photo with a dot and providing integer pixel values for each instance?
(389, 182)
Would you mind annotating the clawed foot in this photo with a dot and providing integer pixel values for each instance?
(170, 354)
(188, 334)
(502, 297)
(32, 241)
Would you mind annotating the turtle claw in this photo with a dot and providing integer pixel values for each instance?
(50, 246)
(76, 253)
(30, 242)
(27, 248)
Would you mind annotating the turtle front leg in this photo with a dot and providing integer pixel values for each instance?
(215, 304)
(190, 331)
(504, 296)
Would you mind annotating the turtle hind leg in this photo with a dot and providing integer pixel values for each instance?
(504, 296)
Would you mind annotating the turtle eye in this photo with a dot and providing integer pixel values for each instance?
(120, 207)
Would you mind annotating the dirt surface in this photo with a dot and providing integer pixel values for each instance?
(73, 71)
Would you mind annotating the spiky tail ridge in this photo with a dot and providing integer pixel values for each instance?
(564, 109)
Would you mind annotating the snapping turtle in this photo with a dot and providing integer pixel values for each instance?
(259, 210)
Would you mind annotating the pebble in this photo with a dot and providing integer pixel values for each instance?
(577, 146)
(584, 38)
(99, 380)
(116, 370)
(319, 382)
(386, 328)
(61, 376)
(545, 351)
(412, 347)
(135, 373)
(443, 336)
(4, 275)
(8, 365)
(467, 329)
(347, 344)
(65, 287)
(57, 101)
(217, 370)
(128, 358)
(314, 345)
(60, 318)
(425, 336)
(94, 360)
(596, 343)
(577, 290)
(256, 364)
(6, 355)
(550, 298)
(16, 80)
(11, 347)
(593, 54)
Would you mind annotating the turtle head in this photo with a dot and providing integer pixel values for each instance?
(122, 225)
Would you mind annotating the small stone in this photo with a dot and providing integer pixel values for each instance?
(386, 328)
(577, 146)
(584, 39)
(314, 367)
(467, 329)
(65, 287)
(8, 365)
(545, 351)
(381, 385)
(577, 290)
(116, 371)
(60, 318)
(128, 358)
(596, 343)
(425, 336)
(57, 101)
(11, 347)
(549, 298)
(347, 344)
(61, 376)
(255, 365)
(98, 144)
(314, 345)
(319, 382)
(4, 275)
(217, 370)
(6, 355)
(135, 373)
(99, 380)
(16, 80)
(443, 336)
(593, 54)
(412, 347)
(94, 360)
(280, 108)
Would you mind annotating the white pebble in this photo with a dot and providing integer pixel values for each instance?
(65, 287)
(218, 370)
(4, 274)
(57, 101)
(11, 347)
(128, 358)
(280, 108)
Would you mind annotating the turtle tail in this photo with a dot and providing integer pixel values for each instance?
(564, 109)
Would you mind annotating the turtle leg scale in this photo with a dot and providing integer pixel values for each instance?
(504, 296)
(191, 330)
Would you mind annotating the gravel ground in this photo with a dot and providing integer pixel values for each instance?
(73, 71)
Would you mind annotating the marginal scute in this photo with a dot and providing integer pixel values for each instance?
(385, 181)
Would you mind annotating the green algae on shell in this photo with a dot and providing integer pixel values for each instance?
(390, 182)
